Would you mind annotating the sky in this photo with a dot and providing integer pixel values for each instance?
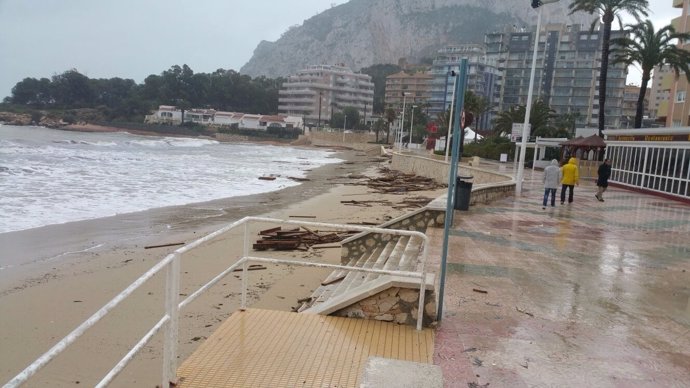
(136, 38)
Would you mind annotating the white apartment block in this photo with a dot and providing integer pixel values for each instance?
(315, 93)
(172, 115)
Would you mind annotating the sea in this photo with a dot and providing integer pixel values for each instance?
(50, 176)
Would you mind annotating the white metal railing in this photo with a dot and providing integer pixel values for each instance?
(170, 319)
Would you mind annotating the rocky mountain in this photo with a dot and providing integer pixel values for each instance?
(361, 33)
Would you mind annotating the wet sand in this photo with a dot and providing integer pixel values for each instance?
(59, 275)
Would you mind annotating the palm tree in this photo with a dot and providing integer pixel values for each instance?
(540, 118)
(608, 10)
(650, 49)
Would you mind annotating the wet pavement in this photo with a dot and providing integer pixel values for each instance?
(588, 294)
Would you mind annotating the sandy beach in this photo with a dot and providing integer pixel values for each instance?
(59, 275)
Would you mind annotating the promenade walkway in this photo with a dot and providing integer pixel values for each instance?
(588, 294)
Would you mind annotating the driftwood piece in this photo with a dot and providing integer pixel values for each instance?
(296, 239)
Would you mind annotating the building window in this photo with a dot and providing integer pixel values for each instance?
(680, 96)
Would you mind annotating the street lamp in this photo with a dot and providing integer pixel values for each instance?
(528, 107)
(402, 122)
(411, 122)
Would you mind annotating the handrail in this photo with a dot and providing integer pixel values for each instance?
(172, 263)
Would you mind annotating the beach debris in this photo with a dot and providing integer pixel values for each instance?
(164, 245)
(480, 291)
(524, 312)
(413, 203)
(302, 216)
(267, 178)
(396, 182)
(477, 361)
(477, 385)
(296, 179)
(297, 239)
(366, 203)
(469, 350)
(252, 267)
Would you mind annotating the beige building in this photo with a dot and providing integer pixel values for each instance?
(410, 88)
(630, 97)
(315, 93)
(676, 110)
(657, 94)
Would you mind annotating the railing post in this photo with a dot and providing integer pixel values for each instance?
(422, 288)
(172, 295)
(245, 254)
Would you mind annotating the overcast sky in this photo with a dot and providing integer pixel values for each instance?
(135, 38)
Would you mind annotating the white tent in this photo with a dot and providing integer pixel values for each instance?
(469, 135)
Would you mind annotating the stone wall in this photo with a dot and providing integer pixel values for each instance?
(230, 137)
(419, 221)
(439, 170)
(395, 304)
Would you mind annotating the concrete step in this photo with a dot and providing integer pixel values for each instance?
(395, 253)
(410, 257)
(386, 372)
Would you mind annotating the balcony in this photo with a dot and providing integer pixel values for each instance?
(677, 4)
(677, 23)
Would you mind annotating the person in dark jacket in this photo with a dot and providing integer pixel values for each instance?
(604, 173)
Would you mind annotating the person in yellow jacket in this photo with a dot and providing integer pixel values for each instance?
(571, 177)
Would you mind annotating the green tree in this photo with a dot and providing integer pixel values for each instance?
(31, 91)
(378, 75)
(649, 49)
(390, 118)
(379, 125)
(72, 89)
(607, 10)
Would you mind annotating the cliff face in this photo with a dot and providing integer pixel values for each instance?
(362, 33)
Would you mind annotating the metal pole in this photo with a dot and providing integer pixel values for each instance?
(450, 122)
(460, 89)
(318, 126)
(172, 297)
(402, 123)
(344, 124)
(411, 121)
(528, 109)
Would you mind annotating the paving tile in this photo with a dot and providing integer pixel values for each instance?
(586, 294)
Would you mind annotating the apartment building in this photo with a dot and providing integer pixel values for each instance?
(630, 97)
(658, 94)
(567, 71)
(315, 93)
(410, 88)
(675, 111)
(483, 78)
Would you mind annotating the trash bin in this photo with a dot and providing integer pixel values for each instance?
(463, 189)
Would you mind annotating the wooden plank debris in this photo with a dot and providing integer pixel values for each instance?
(297, 239)
(164, 245)
(251, 267)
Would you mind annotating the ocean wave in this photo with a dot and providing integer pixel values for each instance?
(173, 142)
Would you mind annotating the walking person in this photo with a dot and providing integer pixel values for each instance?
(552, 178)
(604, 173)
(570, 178)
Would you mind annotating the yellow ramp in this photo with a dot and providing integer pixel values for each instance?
(265, 348)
